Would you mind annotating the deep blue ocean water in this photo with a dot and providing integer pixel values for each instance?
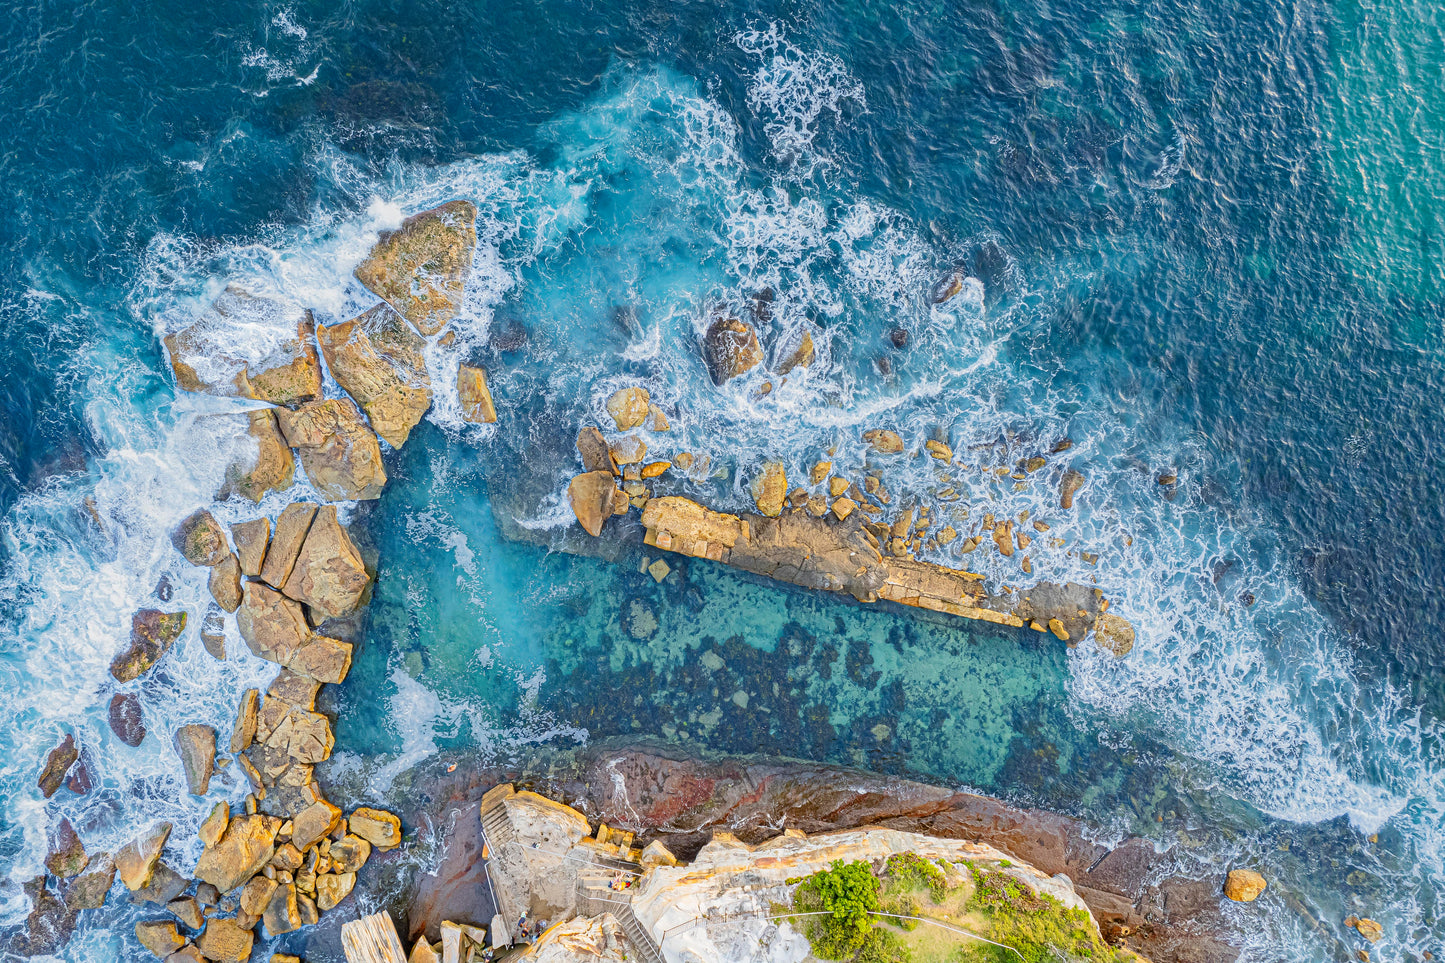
(1205, 239)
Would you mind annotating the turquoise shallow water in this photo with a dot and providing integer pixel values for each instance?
(1200, 239)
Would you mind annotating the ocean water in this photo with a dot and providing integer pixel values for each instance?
(1198, 239)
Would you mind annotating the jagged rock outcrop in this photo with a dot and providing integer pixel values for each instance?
(282, 371)
(799, 355)
(338, 452)
(730, 348)
(152, 633)
(377, 358)
(421, 268)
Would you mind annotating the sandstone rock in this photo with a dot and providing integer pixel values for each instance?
(245, 728)
(282, 915)
(323, 659)
(423, 952)
(294, 688)
(329, 574)
(165, 885)
(256, 894)
(273, 467)
(57, 763)
(1003, 537)
(659, 570)
(591, 496)
(770, 489)
(421, 268)
(730, 348)
(655, 469)
(300, 734)
(332, 888)
(251, 540)
(201, 540)
(799, 356)
(306, 908)
(286, 374)
(1057, 627)
(48, 926)
(225, 941)
(225, 583)
(196, 745)
(884, 442)
(214, 826)
(844, 507)
(90, 889)
(213, 632)
(629, 407)
(125, 718)
(207, 895)
(657, 420)
(377, 826)
(287, 857)
(339, 453)
(291, 527)
(136, 860)
(596, 455)
(1367, 928)
(1071, 483)
(938, 450)
(378, 359)
(657, 854)
(188, 911)
(946, 535)
(273, 626)
(314, 822)
(1114, 634)
(187, 954)
(160, 937)
(1244, 885)
(152, 633)
(475, 396)
(820, 471)
(349, 854)
(65, 856)
(629, 450)
(240, 853)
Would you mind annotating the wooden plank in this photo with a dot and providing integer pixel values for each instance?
(372, 939)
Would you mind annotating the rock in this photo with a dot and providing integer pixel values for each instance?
(213, 632)
(201, 540)
(160, 937)
(300, 734)
(421, 268)
(423, 952)
(376, 826)
(125, 718)
(287, 857)
(314, 822)
(186, 954)
(225, 941)
(323, 659)
(844, 507)
(214, 826)
(596, 455)
(629, 407)
(188, 911)
(256, 895)
(657, 420)
(1114, 634)
(196, 745)
(659, 570)
(1057, 627)
(1244, 885)
(1003, 537)
(57, 763)
(655, 469)
(339, 453)
(165, 885)
(65, 856)
(272, 469)
(349, 854)
(329, 575)
(282, 915)
(1367, 928)
(240, 853)
(152, 633)
(591, 496)
(1071, 483)
(730, 348)
(207, 895)
(629, 450)
(939, 450)
(799, 356)
(136, 860)
(294, 688)
(306, 908)
(251, 540)
(884, 442)
(946, 535)
(245, 728)
(291, 527)
(90, 889)
(225, 585)
(273, 626)
(770, 489)
(287, 373)
(332, 888)
(947, 288)
(378, 359)
(475, 396)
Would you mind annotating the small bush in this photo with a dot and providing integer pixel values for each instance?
(912, 868)
(849, 892)
(1040, 927)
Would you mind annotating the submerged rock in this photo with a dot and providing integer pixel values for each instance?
(377, 358)
(339, 453)
(201, 540)
(328, 575)
(730, 348)
(629, 408)
(57, 763)
(213, 630)
(272, 469)
(287, 373)
(800, 355)
(593, 496)
(1244, 885)
(152, 633)
(196, 745)
(475, 396)
(421, 268)
(126, 720)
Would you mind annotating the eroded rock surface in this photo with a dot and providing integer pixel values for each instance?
(273, 626)
(377, 358)
(730, 349)
(272, 468)
(152, 633)
(474, 395)
(421, 268)
(328, 574)
(594, 497)
(338, 451)
(281, 368)
(196, 745)
(201, 540)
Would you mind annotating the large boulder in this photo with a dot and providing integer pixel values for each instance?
(596, 453)
(593, 496)
(136, 860)
(196, 745)
(730, 348)
(332, 888)
(57, 763)
(225, 585)
(323, 659)
(201, 540)
(799, 354)
(240, 854)
(291, 733)
(273, 625)
(377, 826)
(291, 527)
(65, 856)
(225, 941)
(377, 358)
(1244, 885)
(251, 347)
(313, 822)
(770, 489)
(272, 468)
(159, 936)
(152, 633)
(339, 453)
(1114, 634)
(474, 395)
(329, 575)
(629, 407)
(421, 268)
(251, 540)
(126, 720)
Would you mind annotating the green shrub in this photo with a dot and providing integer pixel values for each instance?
(912, 868)
(1040, 927)
(847, 891)
(881, 946)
